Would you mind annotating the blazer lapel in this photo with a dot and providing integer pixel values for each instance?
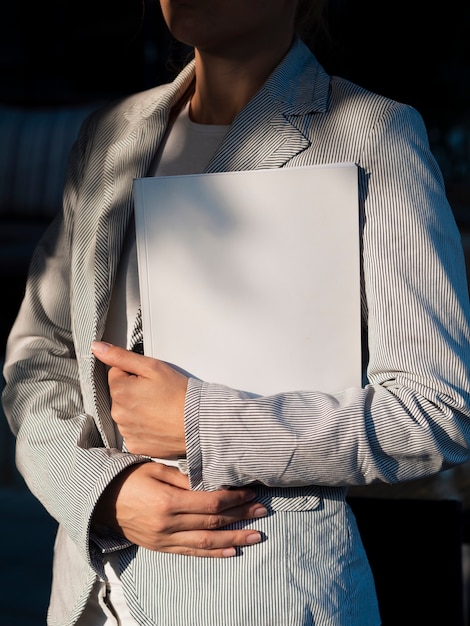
(128, 158)
(267, 133)
(107, 194)
(276, 142)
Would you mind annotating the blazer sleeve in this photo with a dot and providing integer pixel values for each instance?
(412, 418)
(43, 396)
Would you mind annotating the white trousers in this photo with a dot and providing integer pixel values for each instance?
(107, 605)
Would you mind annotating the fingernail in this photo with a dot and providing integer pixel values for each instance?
(229, 552)
(100, 347)
(253, 538)
(260, 511)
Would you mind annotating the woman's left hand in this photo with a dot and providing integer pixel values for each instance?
(147, 401)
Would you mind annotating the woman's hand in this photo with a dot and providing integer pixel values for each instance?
(150, 505)
(147, 401)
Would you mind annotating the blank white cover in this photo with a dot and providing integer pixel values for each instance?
(251, 279)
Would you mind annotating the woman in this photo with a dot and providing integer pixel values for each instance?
(130, 530)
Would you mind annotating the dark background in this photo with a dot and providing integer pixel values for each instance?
(58, 52)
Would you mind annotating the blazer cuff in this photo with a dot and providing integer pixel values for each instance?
(100, 546)
(191, 426)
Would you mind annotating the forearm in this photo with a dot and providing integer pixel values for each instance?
(357, 438)
(61, 456)
(60, 451)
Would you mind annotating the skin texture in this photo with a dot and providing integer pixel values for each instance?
(147, 401)
(237, 45)
(154, 508)
(150, 504)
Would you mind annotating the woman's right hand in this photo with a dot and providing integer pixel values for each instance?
(151, 505)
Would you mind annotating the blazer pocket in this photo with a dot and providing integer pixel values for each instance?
(289, 498)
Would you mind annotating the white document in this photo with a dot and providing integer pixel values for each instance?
(251, 279)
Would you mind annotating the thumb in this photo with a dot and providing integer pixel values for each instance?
(170, 475)
(114, 356)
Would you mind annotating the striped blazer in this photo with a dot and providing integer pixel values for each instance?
(411, 418)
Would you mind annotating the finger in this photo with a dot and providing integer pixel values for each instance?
(169, 475)
(216, 521)
(125, 360)
(214, 502)
(200, 509)
(117, 376)
(214, 544)
(202, 502)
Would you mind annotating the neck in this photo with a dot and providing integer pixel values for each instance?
(224, 85)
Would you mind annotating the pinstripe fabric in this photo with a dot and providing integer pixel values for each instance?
(291, 578)
(410, 419)
(137, 333)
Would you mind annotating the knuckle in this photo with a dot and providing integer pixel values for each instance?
(151, 366)
(165, 509)
(204, 542)
(214, 521)
(116, 395)
(160, 527)
(114, 376)
(214, 506)
(158, 470)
